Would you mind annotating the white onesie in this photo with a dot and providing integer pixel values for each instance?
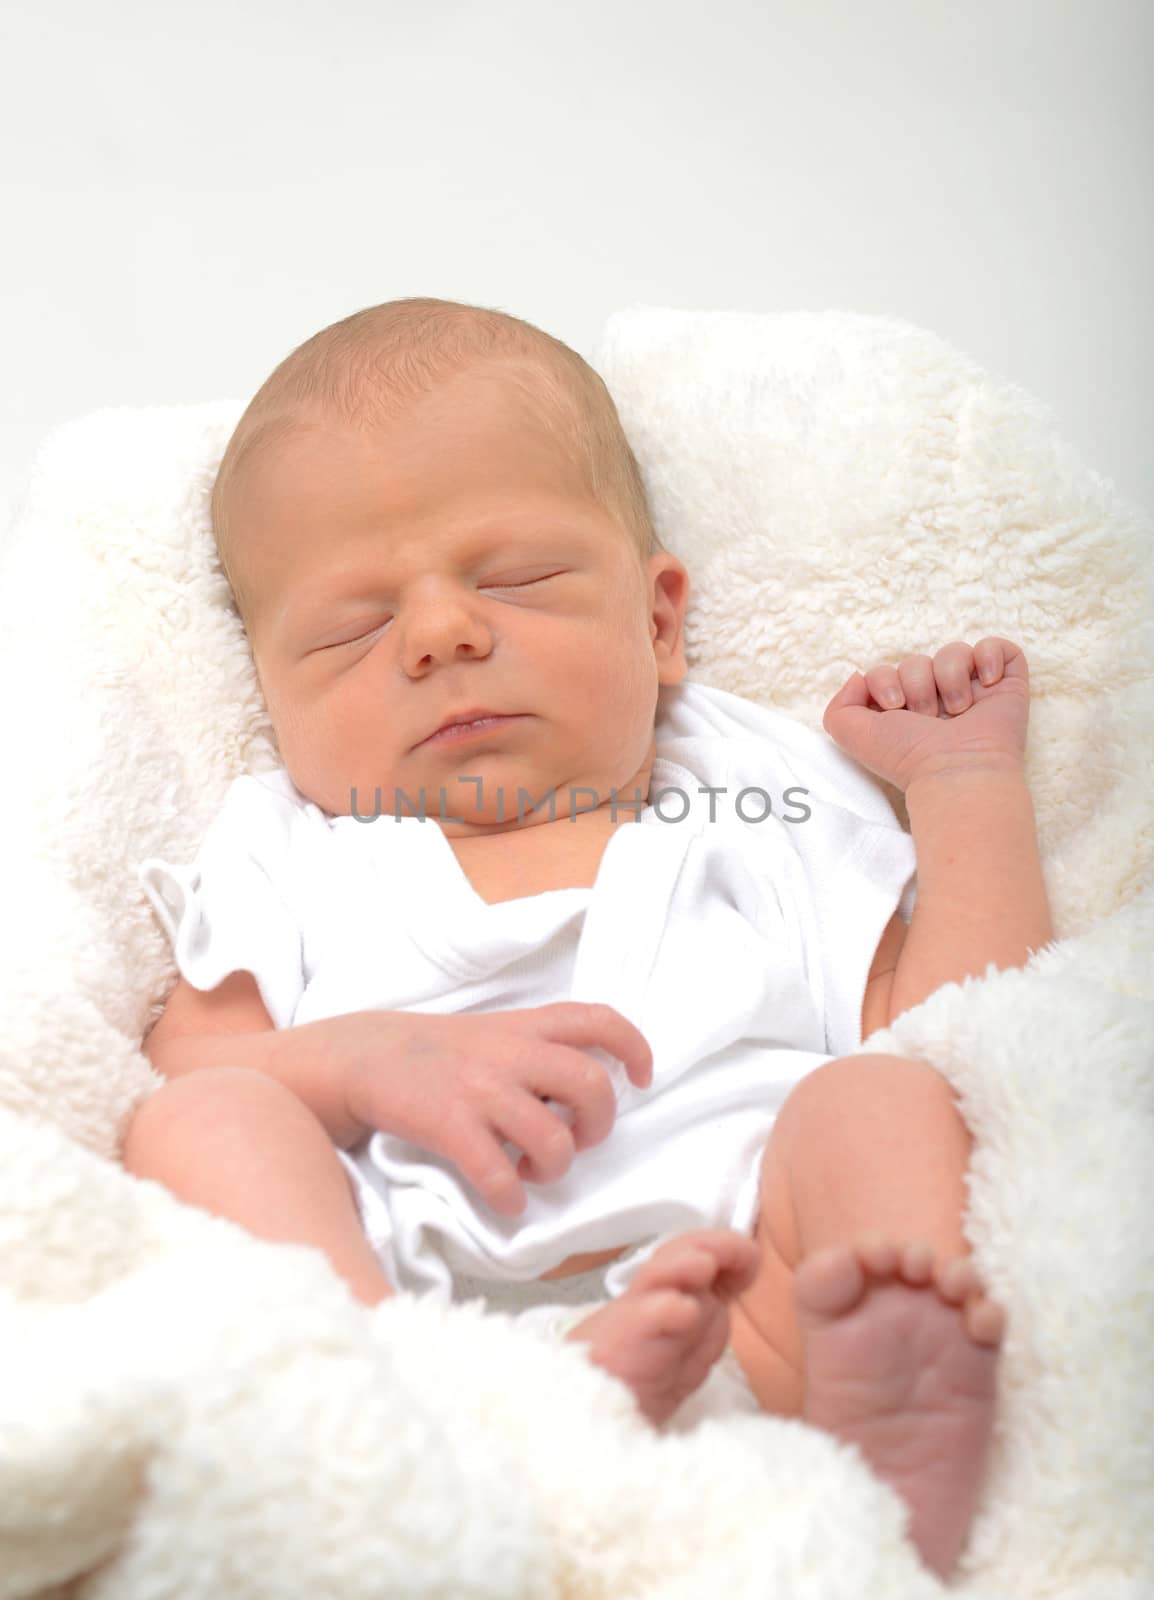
(735, 928)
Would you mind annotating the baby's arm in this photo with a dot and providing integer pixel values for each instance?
(456, 1085)
(229, 1027)
(951, 733)
(981, 896)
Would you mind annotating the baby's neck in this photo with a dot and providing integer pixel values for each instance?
(542, 828)
(517, 863)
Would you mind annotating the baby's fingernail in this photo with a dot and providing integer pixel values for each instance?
(985, 673)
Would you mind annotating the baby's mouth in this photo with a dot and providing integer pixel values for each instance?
(455, 732)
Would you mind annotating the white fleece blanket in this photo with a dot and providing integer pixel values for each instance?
(188, 1413)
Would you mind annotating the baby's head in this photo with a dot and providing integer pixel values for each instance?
(428, 509)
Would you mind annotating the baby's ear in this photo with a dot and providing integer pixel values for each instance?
(669, 599)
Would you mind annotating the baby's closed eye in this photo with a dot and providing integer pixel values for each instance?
(366, 633)
(524, 583)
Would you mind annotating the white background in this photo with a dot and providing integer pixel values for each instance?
(189, 191)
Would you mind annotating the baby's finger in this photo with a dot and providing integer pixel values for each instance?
(918, 685)
(468, 1143)
(541, 1132)
(850, 693)
(885, 687)
(989, 660)
(953, 665)
(590, 1025)
(482, 1161)
(580, 1088)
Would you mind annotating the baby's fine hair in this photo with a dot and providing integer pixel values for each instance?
(366, 369)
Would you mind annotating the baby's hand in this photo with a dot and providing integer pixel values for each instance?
(965, 708)
(459, 1085)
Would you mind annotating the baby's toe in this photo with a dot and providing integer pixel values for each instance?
(957, 1279)
(829, 1283)
(717, 1259)
(985, 1320)
(916, 1261)
(688, 1267)
(959, 1283)
(671, 1312)
(878, 1254)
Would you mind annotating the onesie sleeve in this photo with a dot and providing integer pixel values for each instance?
(857, 866)
(858, 873)
(228, 911)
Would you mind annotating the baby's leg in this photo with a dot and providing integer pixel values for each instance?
(242, 1146)
(865, 1317)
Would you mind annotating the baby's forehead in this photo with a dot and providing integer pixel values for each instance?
(315, 464)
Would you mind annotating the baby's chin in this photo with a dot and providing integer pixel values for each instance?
(477, 795)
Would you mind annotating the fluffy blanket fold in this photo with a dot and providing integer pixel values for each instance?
(186, 1412)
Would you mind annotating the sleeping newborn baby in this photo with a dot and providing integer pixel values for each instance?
(537, 956)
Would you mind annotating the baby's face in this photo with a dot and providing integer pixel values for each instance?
(452, 561)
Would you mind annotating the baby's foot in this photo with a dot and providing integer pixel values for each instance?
(663, 1335)
(899, 1358)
